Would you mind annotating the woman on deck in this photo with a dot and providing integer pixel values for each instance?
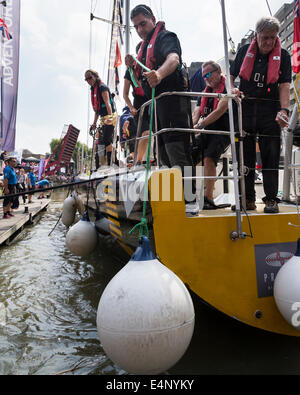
(104, 108)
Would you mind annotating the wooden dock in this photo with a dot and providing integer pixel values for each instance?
(24, 215)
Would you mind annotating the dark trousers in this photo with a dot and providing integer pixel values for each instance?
(261, 122)
(174, 147)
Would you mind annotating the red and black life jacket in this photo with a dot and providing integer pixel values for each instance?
(150, 59)
(98, 103)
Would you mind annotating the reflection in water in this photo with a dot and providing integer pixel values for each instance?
(48, 306)
(50, 301)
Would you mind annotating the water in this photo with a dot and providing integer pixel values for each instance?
(48, 306)
(50, 299)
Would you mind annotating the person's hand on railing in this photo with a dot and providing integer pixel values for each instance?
(236, 91)
(133, 111)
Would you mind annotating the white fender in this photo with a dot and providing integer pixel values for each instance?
(68, 211)
(145, 317)
(82, 237)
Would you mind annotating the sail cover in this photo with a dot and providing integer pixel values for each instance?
(10, 74)
(115, 43)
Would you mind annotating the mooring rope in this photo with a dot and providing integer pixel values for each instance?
(143, 227)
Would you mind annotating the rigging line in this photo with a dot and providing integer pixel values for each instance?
(269, 7)
(232, 44)
(92, 11)
(108, 33)
(90, 61)
(70, 188)
(156, 8)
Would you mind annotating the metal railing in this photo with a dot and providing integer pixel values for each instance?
(238, 179)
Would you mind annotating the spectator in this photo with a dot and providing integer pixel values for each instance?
(10, 181)
(41, 185)
(30, 183)
(22, 183)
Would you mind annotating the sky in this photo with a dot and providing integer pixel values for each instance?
(58, 43)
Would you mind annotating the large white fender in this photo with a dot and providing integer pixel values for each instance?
(145, 317)
(287, 289)
(82, 237)
(68, 211)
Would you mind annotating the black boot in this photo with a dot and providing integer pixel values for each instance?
(108, 158)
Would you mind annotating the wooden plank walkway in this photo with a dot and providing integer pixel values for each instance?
(9, 228)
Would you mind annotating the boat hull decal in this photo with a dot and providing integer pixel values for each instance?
(268, 259)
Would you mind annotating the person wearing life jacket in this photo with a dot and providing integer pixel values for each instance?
(211, 114)
(161, 53)
(104, 107)
(138, 100)
(264, 69)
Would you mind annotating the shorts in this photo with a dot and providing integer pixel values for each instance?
(211, 146)
(29, 189)
(7, 200)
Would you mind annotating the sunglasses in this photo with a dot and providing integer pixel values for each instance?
(207, 75)
(88, 78)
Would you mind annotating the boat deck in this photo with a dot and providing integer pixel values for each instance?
(9, 228)
(283, 209)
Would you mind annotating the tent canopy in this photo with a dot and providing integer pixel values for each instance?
(31, 159)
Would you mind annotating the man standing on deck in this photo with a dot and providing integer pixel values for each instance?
(211, 114)
(160, 51)
(264, 69)
(10, 182)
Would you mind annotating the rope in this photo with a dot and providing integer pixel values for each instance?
(143, 227)
(89, 185)
(70, 190)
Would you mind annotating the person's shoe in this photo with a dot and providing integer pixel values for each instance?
(192, 208)
(209, 204)
(271, 206)
(250, 205)
(10, 214)
(6, 216)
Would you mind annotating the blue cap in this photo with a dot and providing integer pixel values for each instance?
(85, 217)
(143, 251)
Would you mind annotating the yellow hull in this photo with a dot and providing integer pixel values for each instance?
(223, 272)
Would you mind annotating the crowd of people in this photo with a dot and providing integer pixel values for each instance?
(17, 180)
(264, 71)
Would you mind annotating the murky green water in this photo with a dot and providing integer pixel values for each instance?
(50, 300)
